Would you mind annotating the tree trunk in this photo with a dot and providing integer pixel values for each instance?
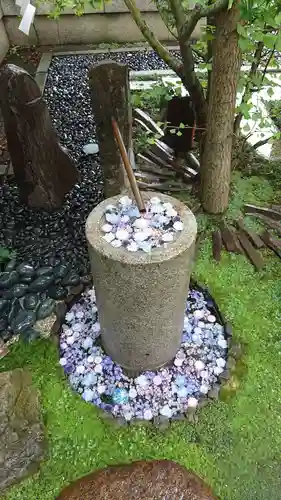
(216, 154)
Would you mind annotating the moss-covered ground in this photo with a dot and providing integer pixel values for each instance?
(236, 443)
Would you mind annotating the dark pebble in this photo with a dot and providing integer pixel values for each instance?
(3, 324)
(14, 310)
(8, 279)
(4, 304)
(11, 265)
(41, 283)
(26, 279)
(57, 292)
(61, 271)
(23, 321)
(71, 279)
(26, 270)
(30, 334)
(44, 271)
(16, 291)
(6, 335)
(46, 308)
(31, 301)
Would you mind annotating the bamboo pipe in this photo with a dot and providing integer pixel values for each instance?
(127, 165)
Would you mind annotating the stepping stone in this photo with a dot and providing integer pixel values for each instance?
(22, 441)
(229, 239)
(144, 480)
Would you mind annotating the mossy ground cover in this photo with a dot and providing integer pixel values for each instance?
(236, 443)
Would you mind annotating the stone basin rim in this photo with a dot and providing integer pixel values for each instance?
(183, 241)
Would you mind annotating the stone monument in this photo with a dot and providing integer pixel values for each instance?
(109, 84)
(43, 170)
(141, 296)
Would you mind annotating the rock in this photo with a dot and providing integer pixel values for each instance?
(44, 271)
(8, 279)
(15, 307)
(26, 270)
(61, 270)
(46, 308)
(236, 351)
(45, 326)
(72, 279)
(91, 149)
(23, 321)
(10, 266)
(21, 432)
(16, 291)
(4, 304)
(31, 301)
(214, 392)
(231, 363)
(57, 292)
(144, 480)
(161, 422)
(41, 283)
(26, 279)
(3, 324)
(30, 334)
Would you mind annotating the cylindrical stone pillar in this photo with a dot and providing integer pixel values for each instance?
(141, 297)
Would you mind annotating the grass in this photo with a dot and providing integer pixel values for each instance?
(236, 443)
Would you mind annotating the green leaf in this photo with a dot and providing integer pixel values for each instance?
(179, 133)
(151, 140)
(241, 30)
(270, 91)
(230, 3)
(181, 125)
(173, 131)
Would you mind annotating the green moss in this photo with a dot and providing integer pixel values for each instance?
(236, 443)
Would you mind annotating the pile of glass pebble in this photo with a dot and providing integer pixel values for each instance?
(124, 226)
(168, 392)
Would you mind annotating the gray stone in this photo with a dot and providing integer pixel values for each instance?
(109, 84)
(214, 392)
(231, 363)
(236, 350)
(141, 297)
(162, 423)
(21, 432)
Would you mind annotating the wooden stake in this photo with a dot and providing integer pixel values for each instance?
(128, 167)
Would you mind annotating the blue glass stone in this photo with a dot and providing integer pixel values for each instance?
(120, 396)
(180, 380)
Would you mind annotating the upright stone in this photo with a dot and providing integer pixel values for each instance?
(43, 169)
(109, 83)
(141, 296)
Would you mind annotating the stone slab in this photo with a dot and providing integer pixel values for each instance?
(4, 42)
(119, 6)
(22, 441)
(141, 297)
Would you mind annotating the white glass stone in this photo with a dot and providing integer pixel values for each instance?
(116, 243)
(106, 228)
(199, 365)
(109, 237)
(178, 362)
(140, 236)
(155, 200)
(157, 380)
(112, 218)
(204, 389)
(125, 201)
(141, 223)
(142, 381)
(167, 237)
(178, 225)
(221, 362)
(122, 234)
(101, 389)
(88, 395)
(80, 369)
(166, 411)
(171, 212)
(198, 314)
(70, 340)
(218, 370)
(63, 361)
(222, 343)
(132, 247)
(211, 318)
(98, 369)
(192, 402)
(147, 415)
(91, 148)
(98, 360)
(132, 393)
(168, 206)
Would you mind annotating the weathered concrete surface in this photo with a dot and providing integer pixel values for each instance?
(22, 440)
(153, 480)
(141, 297)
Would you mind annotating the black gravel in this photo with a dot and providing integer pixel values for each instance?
(40, 238)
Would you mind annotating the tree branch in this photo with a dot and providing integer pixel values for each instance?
(247, 91)
(178, 13)
(262, 142)
(197, 13)
(165, 18)
(170, 60)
